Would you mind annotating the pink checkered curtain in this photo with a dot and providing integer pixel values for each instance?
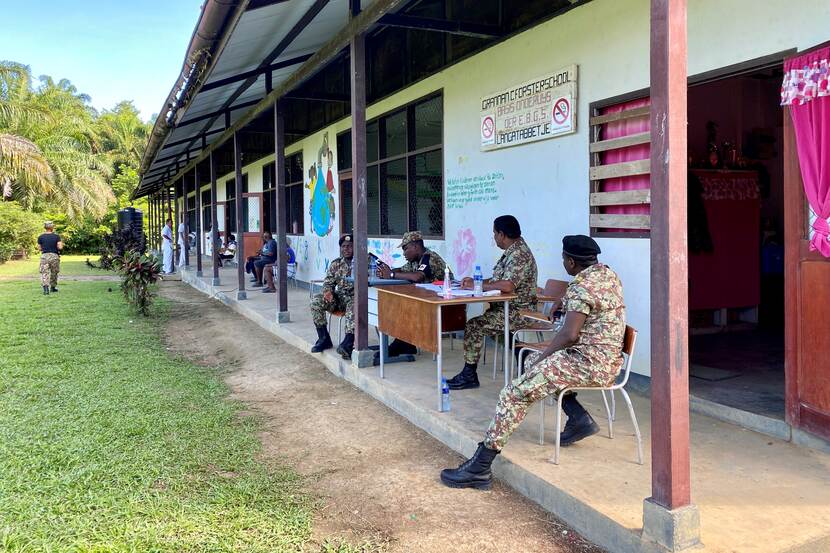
(806, 89)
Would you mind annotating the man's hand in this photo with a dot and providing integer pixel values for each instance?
(467, 283)
(384, 270)
(328, 296)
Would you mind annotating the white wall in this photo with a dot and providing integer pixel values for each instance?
(545, 184)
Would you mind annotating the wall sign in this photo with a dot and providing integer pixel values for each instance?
(535, 110)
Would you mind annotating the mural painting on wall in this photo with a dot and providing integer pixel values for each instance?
(387, 250)
(464, 252)
(321, 185)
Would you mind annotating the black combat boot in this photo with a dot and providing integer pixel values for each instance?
(346, 346)
(45, 290)
(323, 340)
(474, 472)
(466, 379)
(580, 424)
(54, 289)
(399, 347)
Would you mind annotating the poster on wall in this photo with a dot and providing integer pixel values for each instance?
(538, 109)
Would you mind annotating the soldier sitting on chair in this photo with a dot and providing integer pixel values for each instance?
(423, 265)
(514, 273)
(337, 295)
(586, 352)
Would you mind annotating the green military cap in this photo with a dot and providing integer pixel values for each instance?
(411, 237)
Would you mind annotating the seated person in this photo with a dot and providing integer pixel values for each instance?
(268, 271)
(337, 295)
(227, 253)
(266, 254)
(587, 351)
(292, 257)
(422, 265)
(514, 273)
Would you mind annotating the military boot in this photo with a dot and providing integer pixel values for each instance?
(580, 424)
(466, 379)
(54, 289)
(474, 472)
(399, 347)
(323, 340)
(346, 346)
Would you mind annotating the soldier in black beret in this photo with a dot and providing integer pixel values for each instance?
(586, 352)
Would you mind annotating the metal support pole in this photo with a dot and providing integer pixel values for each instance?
(186, 221)
(279, 194)
(175, 226)
(214, 235)
(668, 517)
(240, 229)
(359, 209)
(199, 232)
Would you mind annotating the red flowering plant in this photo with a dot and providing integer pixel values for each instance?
(138, 273)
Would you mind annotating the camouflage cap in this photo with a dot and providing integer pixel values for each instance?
(411, 237)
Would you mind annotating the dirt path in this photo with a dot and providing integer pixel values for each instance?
(377, 474)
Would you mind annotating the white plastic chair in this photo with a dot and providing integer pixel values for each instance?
(629, 342)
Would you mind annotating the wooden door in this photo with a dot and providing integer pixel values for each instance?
(252, 223)
(807, 299)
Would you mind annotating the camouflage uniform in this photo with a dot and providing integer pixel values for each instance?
(433, 266)
(517, 265)
(343, 292)
(595, 359)
(50, 266)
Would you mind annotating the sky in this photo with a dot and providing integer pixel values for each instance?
(112, 50)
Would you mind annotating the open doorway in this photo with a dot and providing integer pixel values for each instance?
(736, 241)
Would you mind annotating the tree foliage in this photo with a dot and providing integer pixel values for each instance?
(58, 154)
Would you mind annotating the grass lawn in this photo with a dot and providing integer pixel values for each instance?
(110, 445)
(71, 265)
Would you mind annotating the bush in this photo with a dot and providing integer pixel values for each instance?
(138, 273)
(84, 237)
(19, 230)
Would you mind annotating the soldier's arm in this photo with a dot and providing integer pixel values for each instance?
(330, 280)
(568, 334)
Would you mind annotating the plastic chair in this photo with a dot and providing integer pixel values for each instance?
(629, 342)
(291, 274)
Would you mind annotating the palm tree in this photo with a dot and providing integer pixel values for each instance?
(49, 145)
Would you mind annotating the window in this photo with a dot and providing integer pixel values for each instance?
(620, 149)
(191, 213)
(207, 220)
(404, 171)
(293, 195)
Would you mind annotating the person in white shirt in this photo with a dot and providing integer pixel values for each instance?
(227, 253)
(182, 241)
(167, 247)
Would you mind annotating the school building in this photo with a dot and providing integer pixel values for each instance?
(688, 138)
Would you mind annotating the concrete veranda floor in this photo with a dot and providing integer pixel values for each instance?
(754, 493)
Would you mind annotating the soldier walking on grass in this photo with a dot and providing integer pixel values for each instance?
(50, 245)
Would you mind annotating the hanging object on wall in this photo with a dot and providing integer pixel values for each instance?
(535, 110)
(321, 205)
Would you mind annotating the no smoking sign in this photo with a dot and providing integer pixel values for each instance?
(488, 129)
(561, 112)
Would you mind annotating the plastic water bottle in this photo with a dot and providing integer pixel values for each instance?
(445, 395)
(446, 290)
(373, 267)
(478, 282)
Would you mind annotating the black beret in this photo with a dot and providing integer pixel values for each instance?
(345, 238)
(579, 245)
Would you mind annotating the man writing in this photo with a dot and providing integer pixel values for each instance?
(422, 265)
(514, 273)
(586, 352)
(50, 245)
(228, 252)
(337, 295)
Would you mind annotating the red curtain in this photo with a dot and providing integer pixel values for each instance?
(806, 89)
(616, 129)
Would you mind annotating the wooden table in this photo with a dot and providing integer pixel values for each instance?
(420, 316)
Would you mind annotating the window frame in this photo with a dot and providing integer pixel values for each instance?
(288, 185)
(407, 156)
